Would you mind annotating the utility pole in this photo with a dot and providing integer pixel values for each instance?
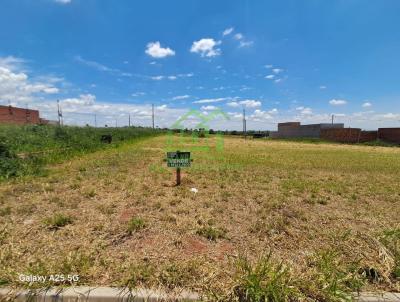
(152, 114)
(59, 113)
(95, 120)
(129, 121)
(333, 117)
(244, 122)
(116, 122)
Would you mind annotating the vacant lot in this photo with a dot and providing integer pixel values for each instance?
(329, 213)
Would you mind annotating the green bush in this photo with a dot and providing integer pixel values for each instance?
(38, 145)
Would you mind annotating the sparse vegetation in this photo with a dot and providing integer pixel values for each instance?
(57, 221)
(135, 224)
(254, 196)
(211, 233)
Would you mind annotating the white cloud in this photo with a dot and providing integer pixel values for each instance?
(278, 80)
(155, 50)
(268, 66)
(366, 105)
(304, 110)
(238, 36)
(250, 103)
(17, 87)
(63, 1)
(228, 31)
(83, 100)
(259, 115)
(208, 107)
(335, 102)
(157, 78)
(277, 70)
(245, 43)
(322, 87)
(172, 77)
(233, 104)
(162, 107)
(181, 97)
(270, 76)
(205, 101)
(206, 47)
(101, 67)
(140, 93)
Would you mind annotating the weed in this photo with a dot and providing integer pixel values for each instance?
(263, 280)
(5, 211)
(211, 233)
(90, 193)
(57, 221)
(391, 239)
(136, 224)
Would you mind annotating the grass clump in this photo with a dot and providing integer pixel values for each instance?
(263, 280)
(211, 233)
(136, 224)
(332, 280)
(391, 240)
(57, 221)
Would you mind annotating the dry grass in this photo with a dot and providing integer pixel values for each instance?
(129, 225)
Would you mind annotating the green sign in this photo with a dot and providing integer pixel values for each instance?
(178, 159)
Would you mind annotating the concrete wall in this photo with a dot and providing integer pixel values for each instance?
(13, 115)
(391, 135)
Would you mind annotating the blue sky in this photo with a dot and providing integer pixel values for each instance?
(281, 60)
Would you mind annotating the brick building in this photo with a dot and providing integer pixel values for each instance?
(20, 116)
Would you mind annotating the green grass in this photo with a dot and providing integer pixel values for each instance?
(26, 150)
(57, 221)
(263, 280)
(211, 233)
(135, 224)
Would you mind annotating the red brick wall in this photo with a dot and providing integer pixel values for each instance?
(389, 135)
(342, 135)
(13, 115)
(368, 136)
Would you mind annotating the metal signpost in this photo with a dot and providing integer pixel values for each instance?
(178, 160)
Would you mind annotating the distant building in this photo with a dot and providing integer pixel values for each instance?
(296, 130)
(21, 116)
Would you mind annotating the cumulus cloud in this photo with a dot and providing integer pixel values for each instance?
(233, 104)
(206, 47)
(227, 31)
(270, 76)
(250, 103)
(83, 100)
(155, 50)
(277, 70)
(366, 105)
(17, 87)
(304, 110)
(336, 102)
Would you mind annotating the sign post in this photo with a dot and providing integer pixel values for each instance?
(178, 160)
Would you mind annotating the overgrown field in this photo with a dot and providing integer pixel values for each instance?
(24, 150)
(274, 220)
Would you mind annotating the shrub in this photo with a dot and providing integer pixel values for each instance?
(57, 221)
(9, 163)
(135, 224)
